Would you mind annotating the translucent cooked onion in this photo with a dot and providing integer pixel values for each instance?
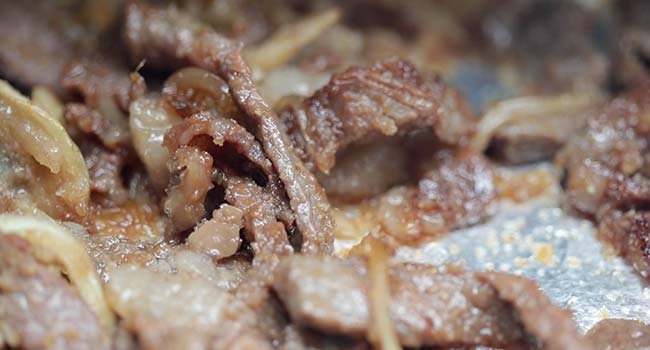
(43, 97)
(382, 328)
(43, 233)
(289, 39)
(512, 109)
(58, 177)
(149, 120)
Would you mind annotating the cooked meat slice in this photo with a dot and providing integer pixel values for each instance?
(429, 306)
(33, 50)
(191, 181)
(551, 327)
(38, 307)
(164, 316)
(608, 165)
(456, 192)
(105, 93)
(265, 232)
(361, 104)
(219, 236)
(538, 136)
(105, 171)
(629, 234)
(296, 338)
(619, 334)
(165, 36)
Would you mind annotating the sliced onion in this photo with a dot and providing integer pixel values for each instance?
(512, 109)
(149, 120)
(289, 39)
(382, 328)
(28, 130)
(69, 253)
(43, 97)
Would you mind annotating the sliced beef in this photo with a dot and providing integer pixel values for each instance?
(429, 306)
(619, 334)
(165, 36)
(164, 316)
(361, 104)
(35, 47)
(629, 234)
(607, 165)
(38, 307)
(219, 236)
(456, 192)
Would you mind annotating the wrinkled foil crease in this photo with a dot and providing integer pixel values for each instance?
(540, 241)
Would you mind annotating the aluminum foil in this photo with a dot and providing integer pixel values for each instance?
(540, 241)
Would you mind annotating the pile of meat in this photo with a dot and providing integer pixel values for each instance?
(208, 211)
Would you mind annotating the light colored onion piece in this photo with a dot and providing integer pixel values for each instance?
(70, 254)
(285, 43)
(382, 328)
(44, 97)
(29, 130)
(149, 120)
(509, 110)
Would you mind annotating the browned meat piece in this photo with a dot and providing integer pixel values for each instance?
(429, 306)
(105, 92)
(552, 328)
(236, 152)
(361, 104)
(536, 137)
(33, 50)
(620, 335)
(163, 37)
(38, 307)
(296, 338)
(105, 170)
(629, 234)
(456, 192)
(198, 315)
(608, 166)
(186, 194)
(266, 233)
(219, 236)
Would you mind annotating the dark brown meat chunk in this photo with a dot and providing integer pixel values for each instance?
(607, 166)
(163, 37)
(429, 306)
(620, 335)
(38, 307)
(361, 104)
(551, 327)
(629, 234)
(536, 137)
(456, 192)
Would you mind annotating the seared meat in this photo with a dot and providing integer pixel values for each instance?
(38, 308)
(163, 37)
(456, 192)
(429, 306)
(629, 233)
(163, 316)
(619, 334)
(607, 166)
(361, 104)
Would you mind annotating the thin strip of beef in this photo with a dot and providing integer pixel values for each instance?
(629, 234)
(362, 104)
(619, 334)
(266, 209)
(165, 36)
(608, 165)
(550, 327)
(429, 306)
(38, 307)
